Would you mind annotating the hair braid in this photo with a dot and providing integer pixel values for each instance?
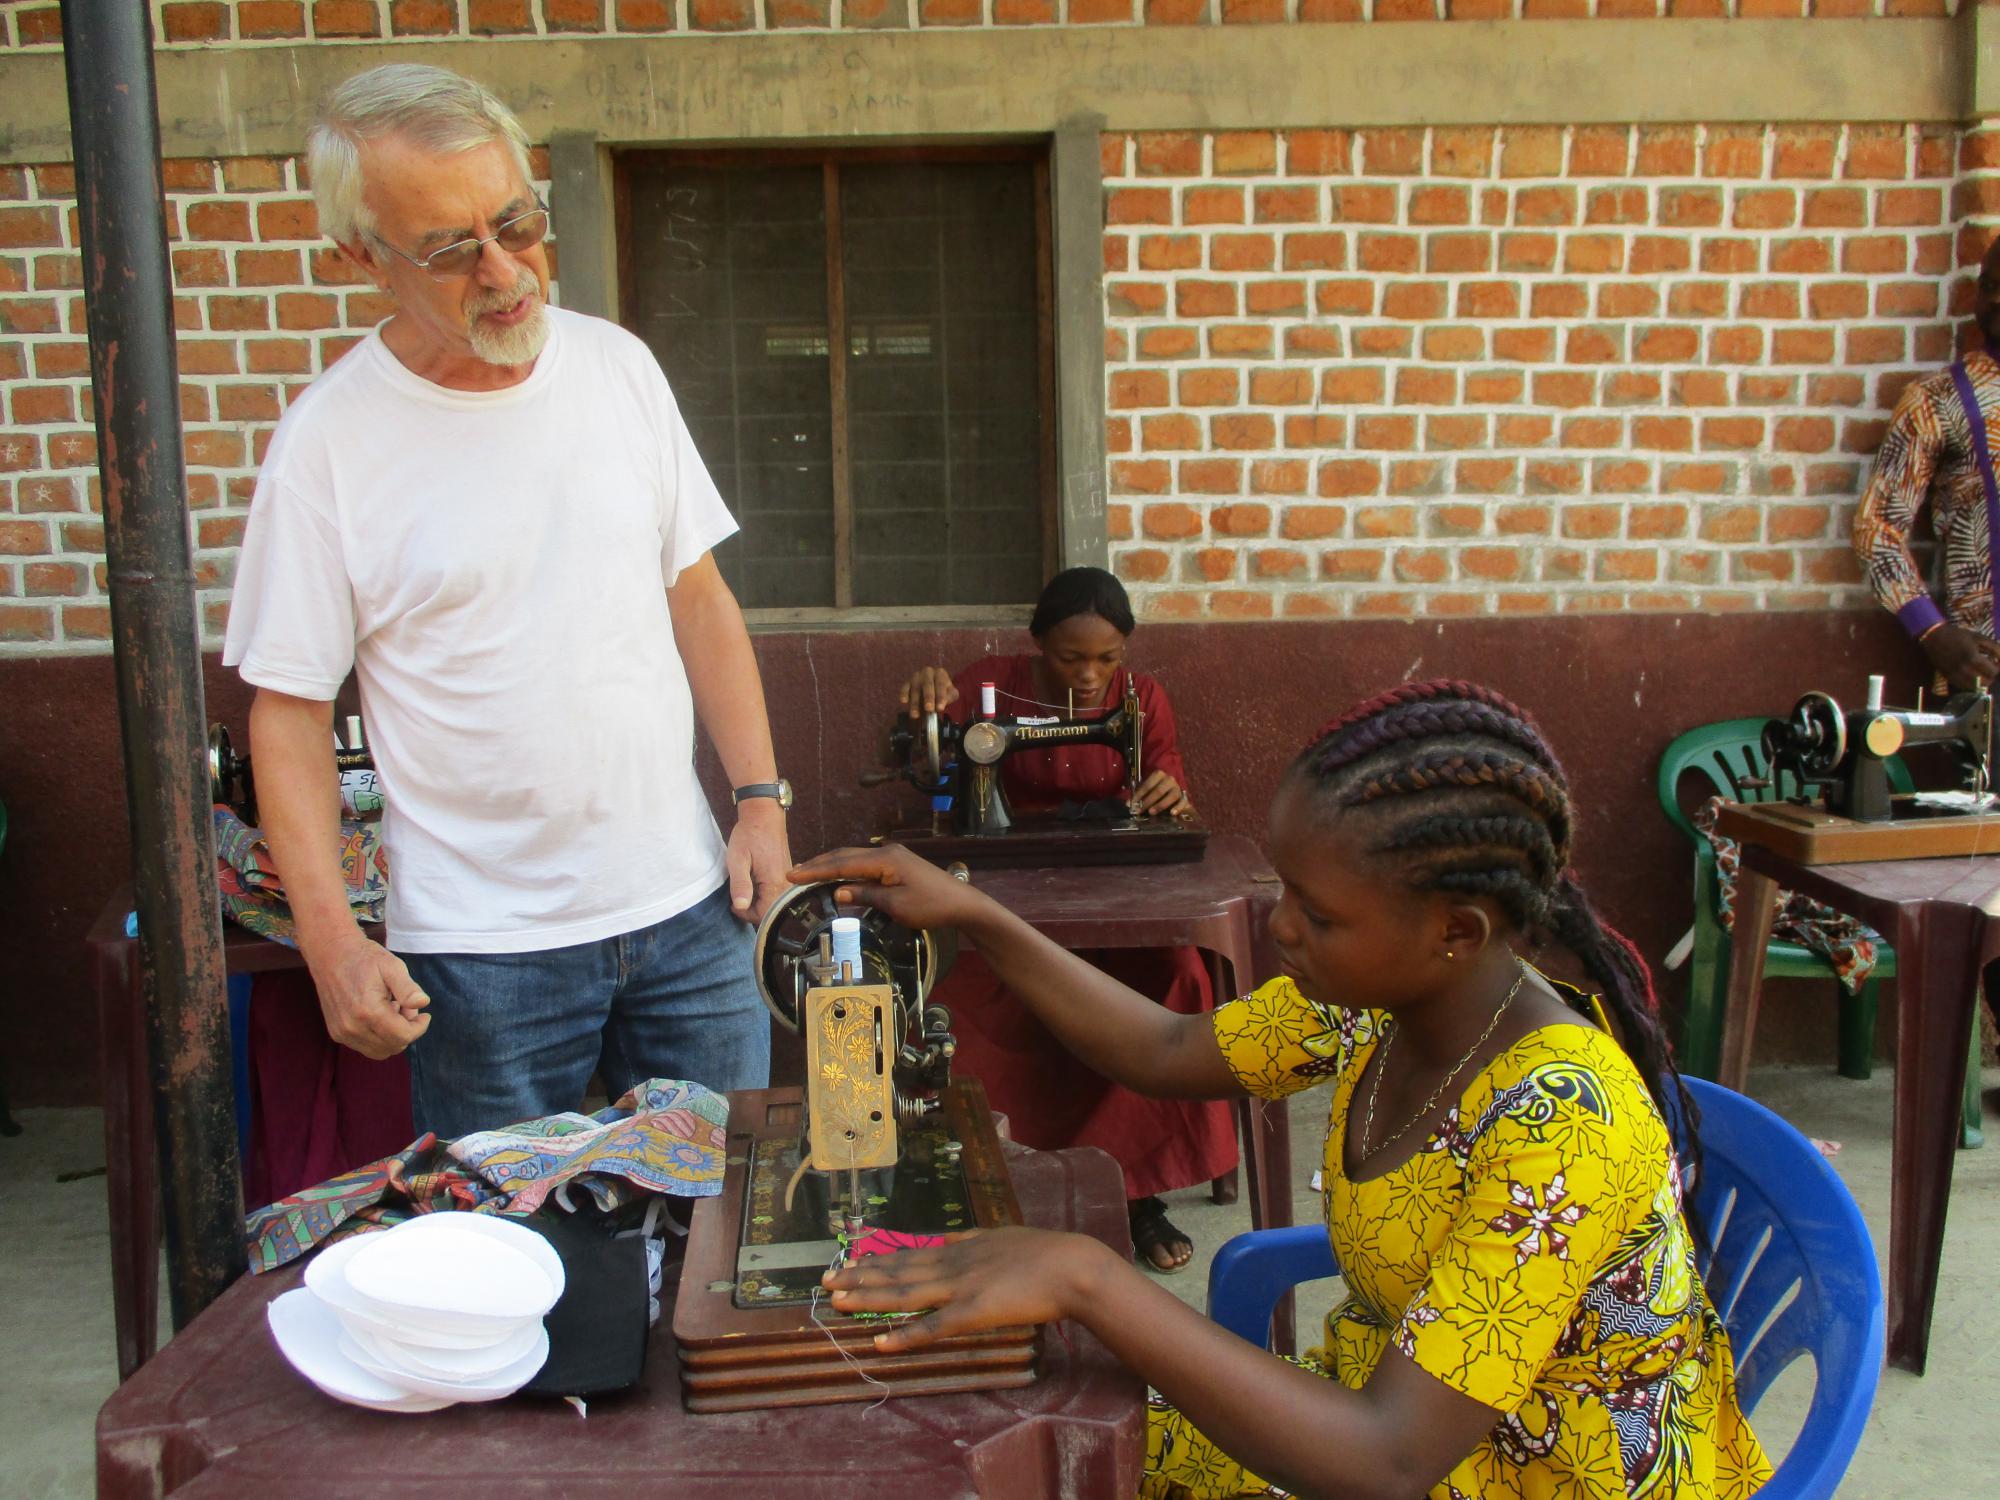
(1429, 720)
(1629, 995)
(1414, 692)
(1443, 836)
(1463, 794)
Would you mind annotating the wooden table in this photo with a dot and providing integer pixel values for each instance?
(219, 1412)
(1940, 915)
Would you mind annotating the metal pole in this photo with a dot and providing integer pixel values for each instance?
(128, 297)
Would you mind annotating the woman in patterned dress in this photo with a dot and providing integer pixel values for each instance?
(1523, 1314)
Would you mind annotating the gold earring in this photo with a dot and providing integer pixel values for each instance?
(1449, 954)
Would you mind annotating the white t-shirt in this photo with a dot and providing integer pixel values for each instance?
(493, 566)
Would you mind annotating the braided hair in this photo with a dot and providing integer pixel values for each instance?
(1462, 794)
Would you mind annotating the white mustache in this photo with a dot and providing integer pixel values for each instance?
(500, 301)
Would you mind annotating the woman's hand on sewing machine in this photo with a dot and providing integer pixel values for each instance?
(998, 1278)
(1159, 795)
(1965, 660)
(896, 882)
(929, 690)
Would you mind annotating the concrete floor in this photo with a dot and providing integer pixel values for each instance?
(1931, 1435)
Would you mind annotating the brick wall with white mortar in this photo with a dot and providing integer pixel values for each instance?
(262, 304)
(195, 23)
(1522, 370)
(1374, 372)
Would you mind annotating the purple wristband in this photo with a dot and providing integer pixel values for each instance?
(1920, 616)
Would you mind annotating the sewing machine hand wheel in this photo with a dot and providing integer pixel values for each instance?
(1819, 734)
(229, 773)
(916, 752)
(788, 939)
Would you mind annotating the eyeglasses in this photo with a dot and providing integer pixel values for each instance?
(461, 257)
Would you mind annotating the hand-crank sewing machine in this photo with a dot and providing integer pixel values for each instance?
(882, 1144)
(958, 767)
(1837, 767)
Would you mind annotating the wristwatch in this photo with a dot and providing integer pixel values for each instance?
(780, 790)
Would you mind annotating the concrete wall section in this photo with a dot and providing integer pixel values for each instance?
(249, 101)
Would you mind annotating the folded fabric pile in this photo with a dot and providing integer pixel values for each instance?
(254, 898)
(438, 1310)
(665, 1137)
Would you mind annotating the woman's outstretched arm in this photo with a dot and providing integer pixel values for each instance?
(1393, 1439)
(1116, 1031)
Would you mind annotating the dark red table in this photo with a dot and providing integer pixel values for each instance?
(1220, 904)
(219, 1412)
(1940, 915)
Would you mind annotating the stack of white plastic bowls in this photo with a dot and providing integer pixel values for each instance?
(445, 1308)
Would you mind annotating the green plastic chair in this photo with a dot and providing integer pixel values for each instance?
(1726, 755)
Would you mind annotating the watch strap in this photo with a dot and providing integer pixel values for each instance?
(772, 789)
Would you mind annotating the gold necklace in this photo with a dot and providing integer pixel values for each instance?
(1382, 1066)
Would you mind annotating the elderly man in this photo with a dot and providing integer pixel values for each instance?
(492, 512)
(1939, 449)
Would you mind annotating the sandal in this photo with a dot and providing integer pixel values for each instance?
(1152, 1232)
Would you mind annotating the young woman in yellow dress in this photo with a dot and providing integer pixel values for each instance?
(1523, 1314)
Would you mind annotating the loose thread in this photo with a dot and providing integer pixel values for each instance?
(839, 1255)
(1101, 709)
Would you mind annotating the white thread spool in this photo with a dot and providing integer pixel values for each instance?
(988, 700)
(847, 948)
(1875, 694)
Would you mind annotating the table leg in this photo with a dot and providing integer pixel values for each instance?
(131, 1195)
(1937, 958)
(1756, 906)
(1224, 1188)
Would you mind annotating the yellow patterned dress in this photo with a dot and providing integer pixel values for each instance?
(1532, 1255)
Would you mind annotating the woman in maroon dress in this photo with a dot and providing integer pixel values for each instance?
(1080, 628)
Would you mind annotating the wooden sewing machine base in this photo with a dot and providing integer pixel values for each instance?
(1046, 841)
(751, 1328)
(1813, 836)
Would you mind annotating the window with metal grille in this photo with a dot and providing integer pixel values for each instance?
(860, 343)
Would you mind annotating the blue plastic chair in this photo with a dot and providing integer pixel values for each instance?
(1788, 1264)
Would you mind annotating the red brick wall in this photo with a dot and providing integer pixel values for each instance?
(1515, 371)
(193, 23)
(1351, 372)
(1374, 372)
(31, 23)
(262, 304)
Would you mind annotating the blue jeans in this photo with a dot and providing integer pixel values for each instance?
(516, 1035)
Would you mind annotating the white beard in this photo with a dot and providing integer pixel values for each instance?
(498, 345)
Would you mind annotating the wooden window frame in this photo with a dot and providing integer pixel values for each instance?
(1037, 154)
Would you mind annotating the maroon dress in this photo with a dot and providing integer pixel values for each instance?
(1050, 1099)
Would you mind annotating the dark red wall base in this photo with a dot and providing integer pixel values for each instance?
(1610, 691)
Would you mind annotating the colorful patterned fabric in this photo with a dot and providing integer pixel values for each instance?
(664, 1137)
(285, 1230)
(1928, 454)
(253, 897)
(1846, 944)
(1532, 1255)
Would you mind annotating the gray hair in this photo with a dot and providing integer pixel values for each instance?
(436, 110)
